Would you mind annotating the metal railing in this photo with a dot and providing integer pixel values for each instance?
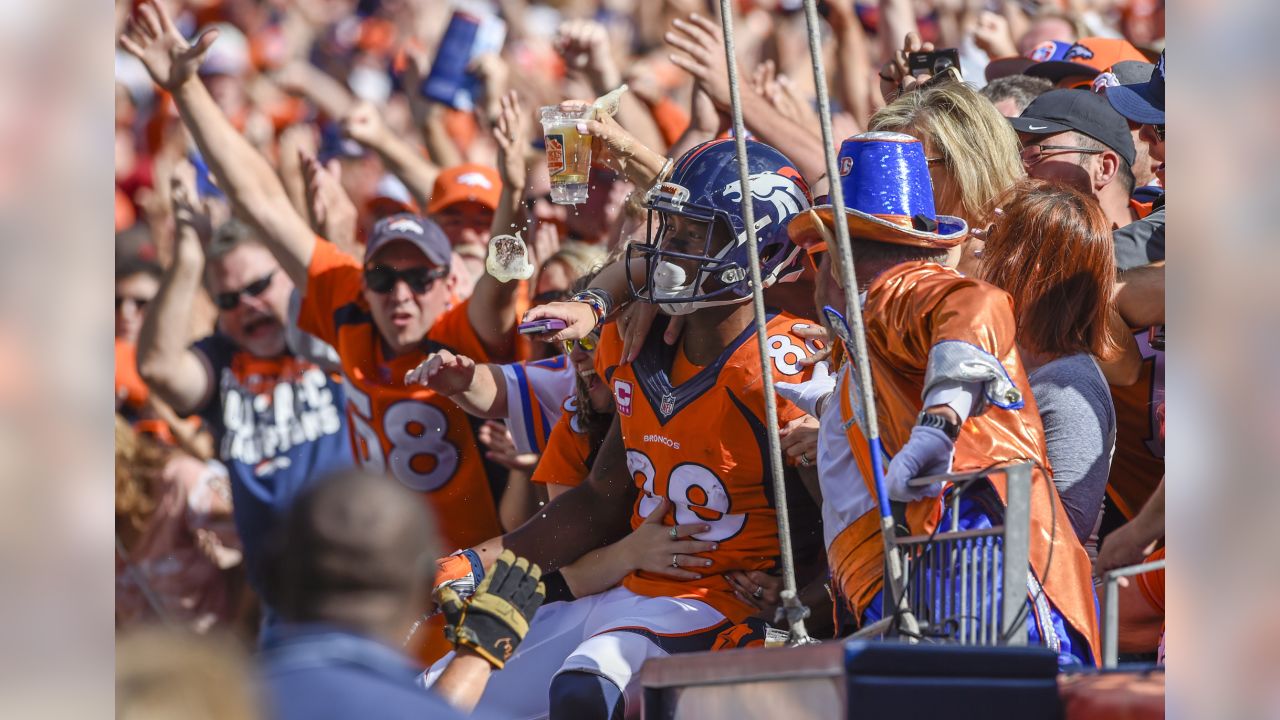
(956, 579)
(1111, 608)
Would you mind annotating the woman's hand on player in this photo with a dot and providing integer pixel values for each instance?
(665, 549)
(444, 372)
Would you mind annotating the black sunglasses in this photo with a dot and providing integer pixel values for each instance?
(231, 300)
(382, 279)
(1159, 131)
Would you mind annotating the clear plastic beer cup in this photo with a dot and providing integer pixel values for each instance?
(568, 153)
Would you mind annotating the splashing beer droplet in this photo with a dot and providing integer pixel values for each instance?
(508, 258)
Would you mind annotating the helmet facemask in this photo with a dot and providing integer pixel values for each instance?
(693, 274)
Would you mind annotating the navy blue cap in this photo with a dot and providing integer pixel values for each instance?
(424, 234)
(1082, 111)
(1141, 102)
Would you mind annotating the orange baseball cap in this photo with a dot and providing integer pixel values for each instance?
(469, 182)
(1088, 57)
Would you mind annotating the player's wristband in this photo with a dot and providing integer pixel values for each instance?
(462, 569)
(557, 589)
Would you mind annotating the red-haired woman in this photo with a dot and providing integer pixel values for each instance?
(1051, 250)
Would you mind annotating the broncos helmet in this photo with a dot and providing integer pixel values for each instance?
(705, 186)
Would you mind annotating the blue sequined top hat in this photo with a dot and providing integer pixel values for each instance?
(888, 197)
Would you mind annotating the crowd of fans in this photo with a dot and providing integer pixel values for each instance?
(305, 306)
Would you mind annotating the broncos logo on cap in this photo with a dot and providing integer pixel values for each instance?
(475, 179)
(782, 193)
(1078, 51)
(405, 225)
(1043, 51)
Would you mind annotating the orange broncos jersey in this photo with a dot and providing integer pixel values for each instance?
(418, 436)
(697, 436)
(1138, 464)
(568, 456)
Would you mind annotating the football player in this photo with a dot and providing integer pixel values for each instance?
(689, 431)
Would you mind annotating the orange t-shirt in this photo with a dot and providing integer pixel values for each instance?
(697, 436)
(418, 436)
(568, 455)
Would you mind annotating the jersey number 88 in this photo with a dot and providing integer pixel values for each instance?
(697, 495)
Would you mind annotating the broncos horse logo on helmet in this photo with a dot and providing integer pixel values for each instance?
(705, 187)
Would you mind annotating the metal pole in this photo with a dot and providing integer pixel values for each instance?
(896, 578)
(1111, 608)
(1017, 553)
(794, 610)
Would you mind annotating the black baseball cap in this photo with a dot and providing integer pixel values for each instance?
(1082, 111)
(423, 233)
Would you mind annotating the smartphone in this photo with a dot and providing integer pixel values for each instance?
(537, 327)
(932, 63)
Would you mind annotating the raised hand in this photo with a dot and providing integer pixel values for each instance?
(702, 55)
(992, 34)
(364, 124)
(190, 215)
(152, 37)
(494, 76)
(584, 45)
(511, 132)
(444, 372)
(895, 78)
(330, 211)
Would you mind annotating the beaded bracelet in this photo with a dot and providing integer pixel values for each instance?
(598, 300)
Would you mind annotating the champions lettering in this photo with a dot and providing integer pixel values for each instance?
(655, 438)
(261, 426)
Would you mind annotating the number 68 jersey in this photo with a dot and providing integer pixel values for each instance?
(412, 433)
(697, 436)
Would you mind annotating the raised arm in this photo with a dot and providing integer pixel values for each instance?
(365, 125)
(492, 307)
(173, 371)
(245, 176)
(853, 64)
(585, 47)
(702, 56)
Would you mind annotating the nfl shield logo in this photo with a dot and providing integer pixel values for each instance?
(668, 405)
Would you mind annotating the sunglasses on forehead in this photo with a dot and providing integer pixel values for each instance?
(231, 300)
(382, 279)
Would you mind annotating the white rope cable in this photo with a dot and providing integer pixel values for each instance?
(794, 611)
(853, 313)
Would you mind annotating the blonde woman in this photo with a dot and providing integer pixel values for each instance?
(973, 153)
